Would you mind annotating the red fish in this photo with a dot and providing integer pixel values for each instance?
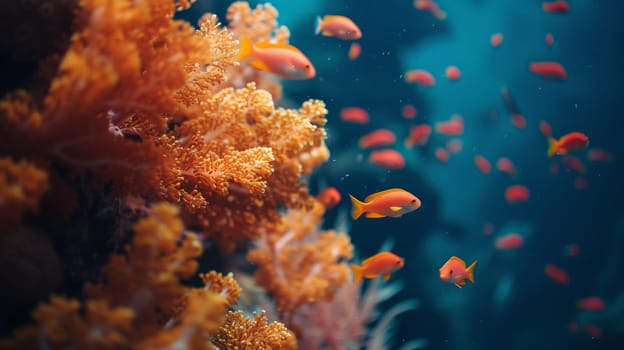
(329, 197)
(419, 135)
(593, 330)
(454, 126)
(340, 27)
(599, 155)
(549, 39)
(505, 165)
(393, 202)
(379, 137)
(571, 250)
(516, 193)
(557, 274)
(441, 154)
(488, 228)
(518, 120)
(452, 73)
(409, 112)
(571, 142)
(496, 39)
(383, 263)
(355, 50)
(283, 60)
(552, 70)
(454, 145)
(509, 241)
(559, 6)
(573, 163)
(420, 77)
(431, 7)
(545, 128)
(387, 158)
(354, 115)
(591, 304)
(482, 164)
(455, 271)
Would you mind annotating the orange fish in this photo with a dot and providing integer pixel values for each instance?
(340, 27)
(383, 263)
(393, 202)
(455, 271)
(282, 60)
(571, 142)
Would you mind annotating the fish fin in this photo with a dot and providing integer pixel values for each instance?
(375, 215)
(386, 276)
(462, 282)
(458, 285)
(327, 33)
(552, 146)
(459, 260)
(357, 273)
(470, 270)
(395, 209)
(358, 207)
(381, 193)
(260, 65)
(270, 45)
(246, 48)
(319, 23)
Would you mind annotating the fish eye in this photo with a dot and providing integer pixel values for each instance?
(307, 66)
(450, 272)
(413, 201)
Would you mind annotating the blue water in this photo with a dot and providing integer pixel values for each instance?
(512, 305)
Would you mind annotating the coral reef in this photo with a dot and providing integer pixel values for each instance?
(138, 141)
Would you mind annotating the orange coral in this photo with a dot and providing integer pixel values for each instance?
(239, 332)
(258, 25)
(297, 263)
(21, 187)
(141, 303)
(136, 103)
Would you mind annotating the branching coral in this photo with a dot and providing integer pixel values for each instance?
(258, 24)
(21, 187)
(134, 103)
(141, 304)
(297, 263)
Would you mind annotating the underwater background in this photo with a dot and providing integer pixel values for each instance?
(572, 221)
(513, 304)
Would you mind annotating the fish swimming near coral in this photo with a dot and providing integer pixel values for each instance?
(393, 202)
(283, 60)
(383, 263)
(455, 271)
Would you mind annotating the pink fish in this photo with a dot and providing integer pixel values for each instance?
(393, 202)
(337, 26)
(283, 60)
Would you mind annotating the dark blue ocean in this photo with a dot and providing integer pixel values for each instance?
(513, 304)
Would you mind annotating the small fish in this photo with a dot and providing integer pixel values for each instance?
(282, 60)
(340, 27)
(383, 263)
(571, 142)
(455, 271)
(393, 202)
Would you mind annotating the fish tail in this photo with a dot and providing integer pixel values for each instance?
(358, 207)
(319, 22)
(552, 146)
(357, 273)
(471, 271)
(246, 48)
